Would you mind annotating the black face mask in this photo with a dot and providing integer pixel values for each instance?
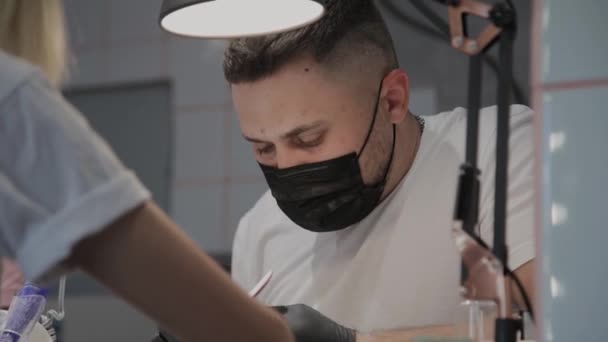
(329, 195)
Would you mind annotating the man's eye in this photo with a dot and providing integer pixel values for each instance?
(309, 141)
(265, 149)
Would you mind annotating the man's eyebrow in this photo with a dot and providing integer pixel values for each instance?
(294, 132)
(254, 140)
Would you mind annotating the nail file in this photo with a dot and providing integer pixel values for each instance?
(260, 285)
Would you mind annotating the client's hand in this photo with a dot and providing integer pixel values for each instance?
(309, 325)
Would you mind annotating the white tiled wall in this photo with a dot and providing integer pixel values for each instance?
(133, 20)
(198, 207)
(199, 152)
(141, 61)
(195, 66)
(87, 23)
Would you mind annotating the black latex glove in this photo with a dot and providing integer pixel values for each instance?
(309, 325)
(164, 337)
(159, 338)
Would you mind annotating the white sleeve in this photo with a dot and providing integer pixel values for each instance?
(59, 181)
(520, 206)
(241, 269)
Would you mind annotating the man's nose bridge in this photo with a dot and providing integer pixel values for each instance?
(287, 157)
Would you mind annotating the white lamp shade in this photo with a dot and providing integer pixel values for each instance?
(238, 18)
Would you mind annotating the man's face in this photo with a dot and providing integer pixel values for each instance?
(300, 115)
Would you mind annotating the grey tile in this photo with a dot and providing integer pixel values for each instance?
(423, 101)
(87, 22)
(199, 146)
(196, 68)
(137, 62)
(88, 67)
(198, 210)
(133, 20)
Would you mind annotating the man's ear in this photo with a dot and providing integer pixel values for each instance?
(396, 95)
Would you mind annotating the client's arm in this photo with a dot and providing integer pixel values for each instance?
(148, 261)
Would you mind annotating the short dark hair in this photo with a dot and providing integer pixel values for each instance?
(350, 30)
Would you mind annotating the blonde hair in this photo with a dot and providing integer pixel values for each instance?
(35, 31)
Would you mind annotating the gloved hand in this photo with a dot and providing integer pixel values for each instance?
(164, 337)
(309, 325)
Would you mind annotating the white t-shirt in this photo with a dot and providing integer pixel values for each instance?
(59, 181)
(399, 266)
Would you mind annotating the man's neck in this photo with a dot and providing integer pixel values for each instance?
(408, 135)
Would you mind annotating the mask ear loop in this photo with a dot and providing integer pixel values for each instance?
(390, 161)
(369, 133)
(371, 126)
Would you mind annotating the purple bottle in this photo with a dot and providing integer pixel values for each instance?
(25, 310)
